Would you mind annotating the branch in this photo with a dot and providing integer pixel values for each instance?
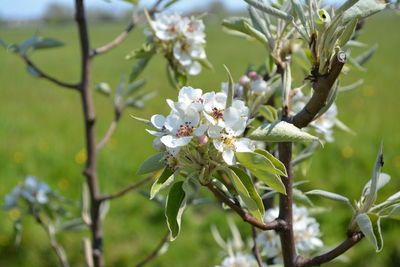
(127, 189)
(43, 75)
(277, 225)
(155, 252)
(110, 131)
(122, 36)
(330, 255)
(256, 250)
(321, 87)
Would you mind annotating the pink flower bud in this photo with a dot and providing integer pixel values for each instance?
(244, 80)
(253, 75)
(202, 139)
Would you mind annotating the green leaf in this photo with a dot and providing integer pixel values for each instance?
(286, 85)
(154, 163)
(329, 195)
(242, 25)
(133, 87)
(351, 86)
(174, 208)
(259, 24)
(364, 57)
(28, 43)
(270, 10)
(302, 198)
(262, 168)
(383, 179)
(395, 212)
(247, 192)
(146, 51)
(348, 32)
(144, 121)
(165, 179)
(362, 9)
(138, 67)
(47, 43)
(370, 196)
(268, 112)
(298, 8)
(281, 131)
(104, 88)
(229, 98)
(371, 229)
(278, 165)
(206, 64)
(32, 71)
(346, 5)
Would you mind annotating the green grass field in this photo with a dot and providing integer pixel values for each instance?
(41, 133)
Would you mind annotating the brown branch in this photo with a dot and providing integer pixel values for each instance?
(277, 224)
(110, 131)
(321, 87)
(155, 252)
(89, 120)
(127, 189)
(122, 36)
(43, 75)
(256, 249)
(330, 255)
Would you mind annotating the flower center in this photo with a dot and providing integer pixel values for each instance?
(171, 161)
(185, 129)
(171, 29)
(217, 113)
(228, 141)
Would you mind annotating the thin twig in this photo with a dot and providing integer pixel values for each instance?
(256, 249)
(330, 255)
(155, 252)
(122, 36)
(109, 132)
(277, 224)
(43, 75)
(126, 189)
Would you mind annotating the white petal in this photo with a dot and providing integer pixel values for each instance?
(194, 68)
(218, 144)
(200, 130)
(229, 157)
(214, 131)
(174, 141)
(155, 133)
(173, 122)
(244, 145)
(158, 121)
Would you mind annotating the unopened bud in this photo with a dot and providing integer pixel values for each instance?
(244, 80)
(202, 139)
(253, 75)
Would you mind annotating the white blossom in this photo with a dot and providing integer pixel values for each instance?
(305, 229)
(239, 260)
(167, 26)
(193, 29)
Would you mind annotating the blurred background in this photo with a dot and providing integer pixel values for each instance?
(41, 133)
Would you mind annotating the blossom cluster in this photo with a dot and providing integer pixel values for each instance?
(182, 39)
(198, 120)
(324, 124)
(306, 234)
(31, 191)
(239, 260)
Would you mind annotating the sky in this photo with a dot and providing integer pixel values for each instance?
(31, 9)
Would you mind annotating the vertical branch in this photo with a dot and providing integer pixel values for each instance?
(89, 120)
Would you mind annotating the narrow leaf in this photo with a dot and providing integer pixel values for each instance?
(281, 131)
(165, 179)
(248, 193)
(383, 179)
(262, 168)
(270, 10)
(138, 67)
(364, 57)
(302, 198)
(365, 225)
(329, 195)
(362, 9)
(175, 206)
(133, 87)
(104, 88)
(229, 98)
(269, 113)
(47, 43)
(376, 226)
(348, 32)
(154, 163)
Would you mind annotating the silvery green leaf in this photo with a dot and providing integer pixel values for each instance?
(85, 204)
(270, 10)
(76, 224)
(300, 197)
(298, 8)
(340, 125)
(47, 43)
(269, 113)
(138, 67)
(242, 25)
(255, 33)
(348, 32)
(370, 227)
(279, 167)
(262, 168)
(362, 9)
(286, 85)
(104, 208)
(259, 24)
(354, 43)
(329, 195)
(133, 87)
(394, 197)
(28, 43)
(395, 212)
(206, 64)
(217, 237)
(351, 86)
(352, 62)
(229, 98)
(165, 179)
(244, 186)
(174, 208)
(32, 71)
(364, 57)
(346, 5)
(146, 122)
(104, 88)
(370, 196)
(330, 100)
(154, 163)
(383, 179)
(301, 158)
(281, 131)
